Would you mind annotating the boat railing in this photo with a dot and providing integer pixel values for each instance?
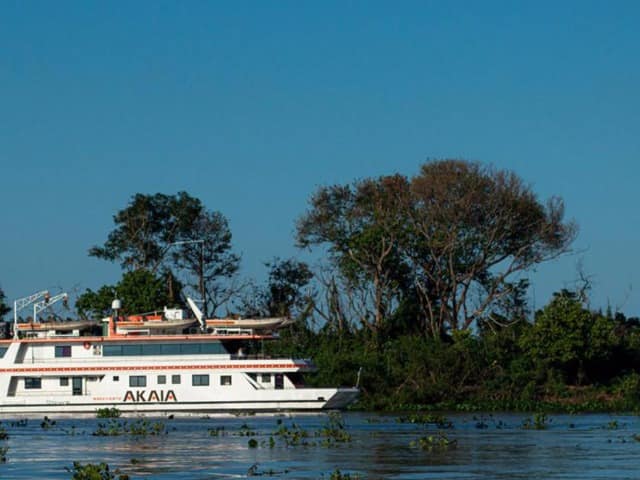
(261, 356)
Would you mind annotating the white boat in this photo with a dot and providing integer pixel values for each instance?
(272, 323)
(144, 372)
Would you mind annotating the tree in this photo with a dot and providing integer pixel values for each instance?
(152, 226)
(205, 253)
(4, 309)
(568, 337)
(140, 292)
(456, 239)
(284, 295)
(474, 229)
(146, 229)
(363, 225)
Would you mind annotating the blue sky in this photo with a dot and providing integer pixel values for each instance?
(251, 106)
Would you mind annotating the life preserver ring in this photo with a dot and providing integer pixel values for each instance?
(86, 345)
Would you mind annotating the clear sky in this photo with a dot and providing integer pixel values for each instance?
(251, 106)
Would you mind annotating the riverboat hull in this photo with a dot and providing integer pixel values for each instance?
(154, 375)
(315, 400)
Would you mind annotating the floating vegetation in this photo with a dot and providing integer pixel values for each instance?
(292, 436)
(253, 443)
(540, 421)
(47, 423)
(108, 413)
(139, 427)
(254, 472)
(4, 435)
(612, 425)
(334, 431)
(91, 471)
(439, 421)
(73, 431)
(482, 422)
(217, 432)
(439, 441)
(338, 475)
(246, 431)
(19, 423)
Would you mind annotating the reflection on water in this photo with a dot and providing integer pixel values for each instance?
(572, 447)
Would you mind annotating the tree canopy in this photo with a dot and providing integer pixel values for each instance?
(4, 308)
(174, 235)
(140, 292)
(452, 240)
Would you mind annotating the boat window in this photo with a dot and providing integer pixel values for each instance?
(175, 379)
(64, 381)
(162, 349)
(137, 381)
(32, 382)
(111, 350)
(63, 351)
(170, 349)
(225, 380)
(266, 378)
(131, 350)
(3, 350)
(162, 379)
(151, 349)
(199, 380)
(216, 347)
(190, 348)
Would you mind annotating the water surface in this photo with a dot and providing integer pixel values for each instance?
(571, 447)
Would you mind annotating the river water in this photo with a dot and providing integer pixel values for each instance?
(381, 447)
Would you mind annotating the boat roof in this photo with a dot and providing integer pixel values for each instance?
(196, 338)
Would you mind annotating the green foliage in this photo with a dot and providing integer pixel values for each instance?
(217, 432)
(292, 435)
(4, 435)
(140, 427)
(4, 308)
(491, 371)
(92, 471)
(47, 423)
(338, 475)
(362, 225)
(283, 295)
(568, 337)
(167, 233)
(108, 413)
(146, 227)
(439, 441)
(334, 431)
(439, 421)
(540, 421)
(450, 240)
(628, 387)
(140, 291)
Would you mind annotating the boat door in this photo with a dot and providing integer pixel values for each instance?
(279, 381)
(76, 385)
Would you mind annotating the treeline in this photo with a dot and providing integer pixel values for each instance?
(568, 359)
(421, 281)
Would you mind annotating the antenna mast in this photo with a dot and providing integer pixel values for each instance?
(47, 302)
(22, 303)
